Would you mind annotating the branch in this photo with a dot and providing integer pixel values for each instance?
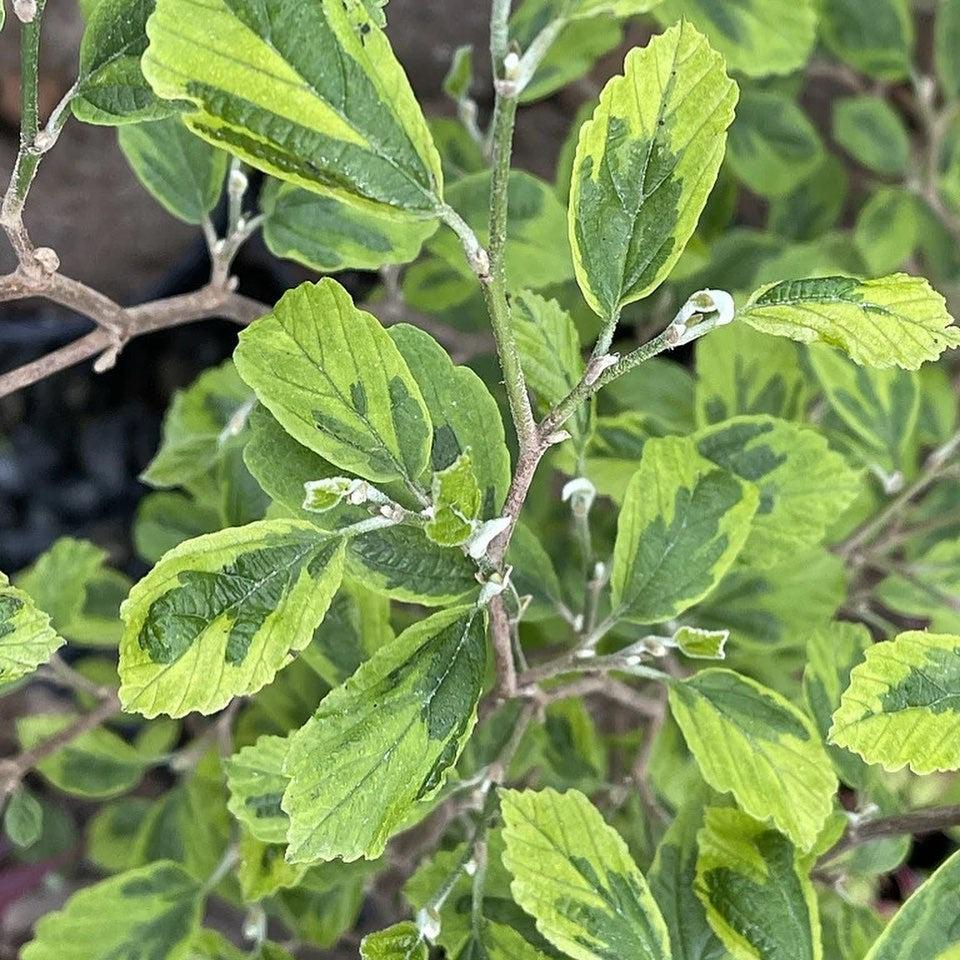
(13, 770)
(913, 822)
(104, 342)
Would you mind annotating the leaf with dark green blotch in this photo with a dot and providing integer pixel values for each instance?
(219, 615)
(873, 133)
(463, 412)
(756, 891)
(751, 742)
(877, 408)
(645, 164)
(682, 525)
(815, 206)
(256, 783)
(402, 941)
(899, 699)
(345, 390)
(755, 37)
(151, 912)
(111, 832)
(947, 46)
(23, 818)
(804, 486)
(573, 873)
(849, 929)
(183, 173)
(27, 639)
(402, 563)
(263, 871)
(111, 88)
(213, 407)
(833, 651)
(928, 587)
(355, 627)
(535, 254)
(662, 390)
(926, 925)
(773, 147)
(384, 740)
(672, 880)
(896, 320)
(255, 89)
(327, 234)
(875, 38)
(743, 371)
(457, 501)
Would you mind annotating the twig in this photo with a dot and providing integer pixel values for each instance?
(149, 317)
(13, 770)
(913, 822)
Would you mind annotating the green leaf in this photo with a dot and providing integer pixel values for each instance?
(751, 742)
(402, 941)
(875, 38)
(803, 485)
(572, 54)
(179, 170)
(96, 764)
(946, 44)
(220, 615)
(256, 783)
(897, 320)
(549, 348)
(327, 234)
(385, 739)
(644, 167)
(682, 525)
(354, 132)
(463, 412)
(536, 254)
(573, 873)
(758, 897)
(925, 926)
(899, 699)
(459, 78)
(23, 818)
(214, 407)
(755, 37)
(849, 930)
(773, 146)
(326, 903)
(165, 519)
(456, 503)
(887, 230)
(403, 564)
(111, 88)
(150, 912)
(743, 371)
(26, 638)
(672, 882)
(879, 408)
(701, 644)
(355, 627)
(873, 133)
(262, 871)
(660, 389)
(927, 587)
(346, 392)
(833, 650)
(534, 574)
(815, 206)
(111, 833)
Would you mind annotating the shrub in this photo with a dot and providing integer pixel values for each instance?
(587, 654)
